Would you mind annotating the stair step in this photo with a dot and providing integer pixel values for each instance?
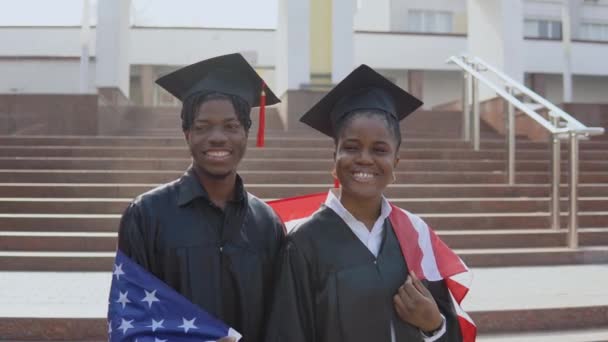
(150, 175)
(419, 191)
(439, 221)
(23, 205)
(79, 241)
(102, 261)
(288, 164)
(56, 152)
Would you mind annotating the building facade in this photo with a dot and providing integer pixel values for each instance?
(316, 42)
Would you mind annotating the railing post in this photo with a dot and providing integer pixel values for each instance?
(555, 207)
(466, 108)
(510, 140)
(475, 99)
(573, 224)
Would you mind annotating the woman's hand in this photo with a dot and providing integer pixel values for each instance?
(415, 305)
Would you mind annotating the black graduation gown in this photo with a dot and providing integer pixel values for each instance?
(222, 261)
(331, 288)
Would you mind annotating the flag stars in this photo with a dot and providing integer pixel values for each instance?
(150, 298)
(156, 324)
(109, 327)
(122, 299)
(118, 271)
(188, 324)
(159, 340)
(125, 325)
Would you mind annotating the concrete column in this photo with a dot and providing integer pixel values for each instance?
(415, 83)
(343, 39)
(112, 47)
(495, 34)
(321, 37)
(147, 78)
(293, 46)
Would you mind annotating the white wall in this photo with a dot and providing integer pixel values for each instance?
(407, 51)
(585, 89)
(42, 41)
(547, 57)
(372, 15)
(546, 10)
(184, 46)
(440, 87)
(43, 76)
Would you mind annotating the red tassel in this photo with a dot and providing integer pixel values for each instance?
(262, 121)
(336, 183)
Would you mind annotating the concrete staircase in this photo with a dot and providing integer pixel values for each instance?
(61, 198)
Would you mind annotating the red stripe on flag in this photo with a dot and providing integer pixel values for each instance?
(458, 290)
(294, 208)
(408, 240)
(468, 330)
(448, 263)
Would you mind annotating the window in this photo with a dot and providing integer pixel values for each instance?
(429, 21)
(593, 31)
(548, 29)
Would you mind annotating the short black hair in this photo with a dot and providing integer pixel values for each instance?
(192, 103)
(390, 120)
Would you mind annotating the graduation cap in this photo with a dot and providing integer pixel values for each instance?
(362, 89)
(228, 74)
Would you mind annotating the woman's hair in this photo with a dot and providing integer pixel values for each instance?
(391, 122)
(193, 102)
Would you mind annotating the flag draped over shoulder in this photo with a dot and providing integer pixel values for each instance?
(142, 308)
(427, 256)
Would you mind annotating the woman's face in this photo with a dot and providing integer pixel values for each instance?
(366, 155)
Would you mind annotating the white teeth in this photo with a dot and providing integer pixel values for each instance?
(363, 176)
(218, 154)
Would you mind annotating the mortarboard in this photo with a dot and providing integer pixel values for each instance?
(362, 89)
(228, 74)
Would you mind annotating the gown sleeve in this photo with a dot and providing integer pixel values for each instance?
(131, 239)
(442, 297)
(291, 315)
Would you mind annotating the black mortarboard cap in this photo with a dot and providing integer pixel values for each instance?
(362, 89)
(228, 74)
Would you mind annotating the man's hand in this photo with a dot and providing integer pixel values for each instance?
(415, 305)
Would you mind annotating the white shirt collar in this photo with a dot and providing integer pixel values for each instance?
(371, 239)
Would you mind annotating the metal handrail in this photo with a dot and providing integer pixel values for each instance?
(541, 100)
(573, 130)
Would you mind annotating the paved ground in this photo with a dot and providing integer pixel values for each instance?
(562, 336)
(78, 294)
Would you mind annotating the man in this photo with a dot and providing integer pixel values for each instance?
(203, 234)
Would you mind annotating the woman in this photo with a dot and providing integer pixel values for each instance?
(343, 276)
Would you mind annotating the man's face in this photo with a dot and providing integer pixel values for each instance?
(217, 139)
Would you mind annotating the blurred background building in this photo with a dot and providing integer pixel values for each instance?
(303, 44)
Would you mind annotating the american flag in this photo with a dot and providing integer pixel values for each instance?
(142, 308)
(428, 257)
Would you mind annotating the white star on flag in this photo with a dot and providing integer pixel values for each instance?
(122, 299)
(188, 324)
(155, 325)
(150, 298)
(159, 340)
(109, 327)
(125, 325)
(118, 271)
